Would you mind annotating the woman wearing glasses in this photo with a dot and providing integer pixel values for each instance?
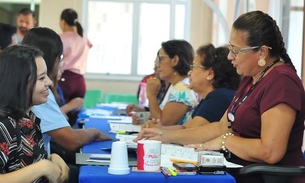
(173, 63)
(267, 113)
(215, 81)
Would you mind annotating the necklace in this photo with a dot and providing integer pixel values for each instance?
(239, 101)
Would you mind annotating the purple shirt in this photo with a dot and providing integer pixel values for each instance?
(280, 85)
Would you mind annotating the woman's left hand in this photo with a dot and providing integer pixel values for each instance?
(54, 158)
(211, 145)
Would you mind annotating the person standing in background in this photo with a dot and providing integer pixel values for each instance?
(76, 47)
(25, 21)
(7, 35)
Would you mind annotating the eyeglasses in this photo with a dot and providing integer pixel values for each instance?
(242, 50)
(192, 67)
(61, 57)
(160, 57)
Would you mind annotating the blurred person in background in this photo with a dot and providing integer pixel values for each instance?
(75, 49)
(25, 21)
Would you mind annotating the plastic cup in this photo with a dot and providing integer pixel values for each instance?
(119, 159)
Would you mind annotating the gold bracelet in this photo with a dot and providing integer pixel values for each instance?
(223, 141)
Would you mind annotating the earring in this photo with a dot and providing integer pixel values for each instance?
(208, 78)
(175, 73)
(261, 62)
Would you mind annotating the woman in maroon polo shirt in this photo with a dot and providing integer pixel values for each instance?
(267, 114)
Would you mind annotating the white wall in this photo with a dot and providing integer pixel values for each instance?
(50, 11)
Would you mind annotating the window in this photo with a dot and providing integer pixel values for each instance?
(126, 34)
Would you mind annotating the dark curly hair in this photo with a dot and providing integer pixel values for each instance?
(225, 75)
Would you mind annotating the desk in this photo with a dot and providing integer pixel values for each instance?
(98, 174)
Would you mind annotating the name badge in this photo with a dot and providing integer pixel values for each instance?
(231, 117)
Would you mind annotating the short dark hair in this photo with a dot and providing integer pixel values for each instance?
(49, 43)
(18, 73)
(183, 50)
(26, 11)
(6, 33)
(225, 75)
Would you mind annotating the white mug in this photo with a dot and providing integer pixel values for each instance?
(148, 155)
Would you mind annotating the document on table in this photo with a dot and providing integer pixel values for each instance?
(99, 158)
(114, 127)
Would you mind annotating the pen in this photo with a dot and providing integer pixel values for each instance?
(165, 172)
(172, 171)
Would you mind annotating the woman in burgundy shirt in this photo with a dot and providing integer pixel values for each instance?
(267, 113)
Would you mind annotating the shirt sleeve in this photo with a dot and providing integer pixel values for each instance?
(50, 115)
(181, 93)
(280, 91)
(8, 142)
(214, 106)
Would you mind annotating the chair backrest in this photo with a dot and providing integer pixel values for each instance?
(273, 173)
(121, 98)
(93, 97)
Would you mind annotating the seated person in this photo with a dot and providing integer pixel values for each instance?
(53, 122)
(267, 114)
(24, 83)
(173, 64)
(215, 81)
(160, 96)
(73, 105)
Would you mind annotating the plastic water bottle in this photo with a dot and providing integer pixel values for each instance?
(142, 95)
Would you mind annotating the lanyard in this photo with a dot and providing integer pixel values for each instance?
(238, 102)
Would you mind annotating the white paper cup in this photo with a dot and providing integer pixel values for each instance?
(119, 159)
(149, 155)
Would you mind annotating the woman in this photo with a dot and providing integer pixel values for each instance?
(173, 64)
(53, 122)
(267, 113)
(76, 47)
(215, 81)
(164, 85)
(24, 83)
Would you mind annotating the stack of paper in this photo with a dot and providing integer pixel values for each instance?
(177, 153)
(115, 127)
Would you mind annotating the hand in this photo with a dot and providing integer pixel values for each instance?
(153, 86)
(154, 134)
(64, 175)
(135, 120)
(153, 123)
(197, 147)
(53, 173)
(211, 145)
(102, 137)
(133, 107)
